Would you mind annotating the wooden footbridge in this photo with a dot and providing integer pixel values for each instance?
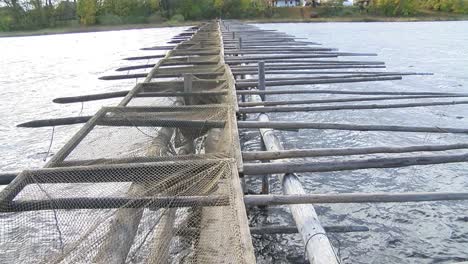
(161, 176)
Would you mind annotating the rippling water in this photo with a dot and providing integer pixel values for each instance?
(34, 70)
(435, 232)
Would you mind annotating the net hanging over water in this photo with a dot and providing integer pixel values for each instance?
(138, 183)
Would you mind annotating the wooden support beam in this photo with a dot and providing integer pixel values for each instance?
(319, 91)
(123, 76)
(323, 152)
(6, 178)
(141, 172)
(276, 109)
(188, 88)
(56, 121)
(147, 57)
(102, 96)
(358, 164)
(288, 125)
(341, 100)
(160, 48)
(247, 59)
(255, 59)
(117, 202)
(268, 200)
(306, 70)
(90, 97)
(295, 63)
(123, 121)
(278, 229)
(244, 85)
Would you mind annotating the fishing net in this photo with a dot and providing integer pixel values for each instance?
(138, 183)
(135, 207)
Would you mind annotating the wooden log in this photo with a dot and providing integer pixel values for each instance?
(148, 57)
(317, 81)
(230, 60)
(252, 59)
(264, 200)
(141, 172)
(248, 42)
(358, 164)
(313, 72)
(188, 88)
(285, 64)
(56, 121)
(304, 153)
(136, 67)
(311, 69)
(118, 121)
(318, 91)
(277, 229)
(123, 77)
(6, 178)
(275, 109)
(288, 125)
(317, 246)
(320, 77)
(266, 44)
(101, 96)
(246, 51)
(90, 97)
(117, 202)
(160, 48)
(341, 100)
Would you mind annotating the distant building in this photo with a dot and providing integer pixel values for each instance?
(284, 3)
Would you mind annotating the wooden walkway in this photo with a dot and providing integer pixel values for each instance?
(190, 178)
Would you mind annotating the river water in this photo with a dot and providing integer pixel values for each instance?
(34, 70)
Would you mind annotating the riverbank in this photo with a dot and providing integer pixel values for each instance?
(97, 28)
(427, 16)
(359, 19)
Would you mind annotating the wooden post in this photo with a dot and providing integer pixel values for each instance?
(188, 85)
(261, 78)
(318, 248)
(261, 86)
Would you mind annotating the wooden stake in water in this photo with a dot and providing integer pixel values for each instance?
(261, 78)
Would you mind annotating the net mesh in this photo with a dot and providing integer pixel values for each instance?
(143, 184)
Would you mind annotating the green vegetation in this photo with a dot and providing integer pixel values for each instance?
(18, 15)
(24, 15)
(415, 7)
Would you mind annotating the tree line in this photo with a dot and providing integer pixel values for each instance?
(37, 14)
(413, 7)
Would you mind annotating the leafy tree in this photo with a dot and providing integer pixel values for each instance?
(86, 11)
(396, 7)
